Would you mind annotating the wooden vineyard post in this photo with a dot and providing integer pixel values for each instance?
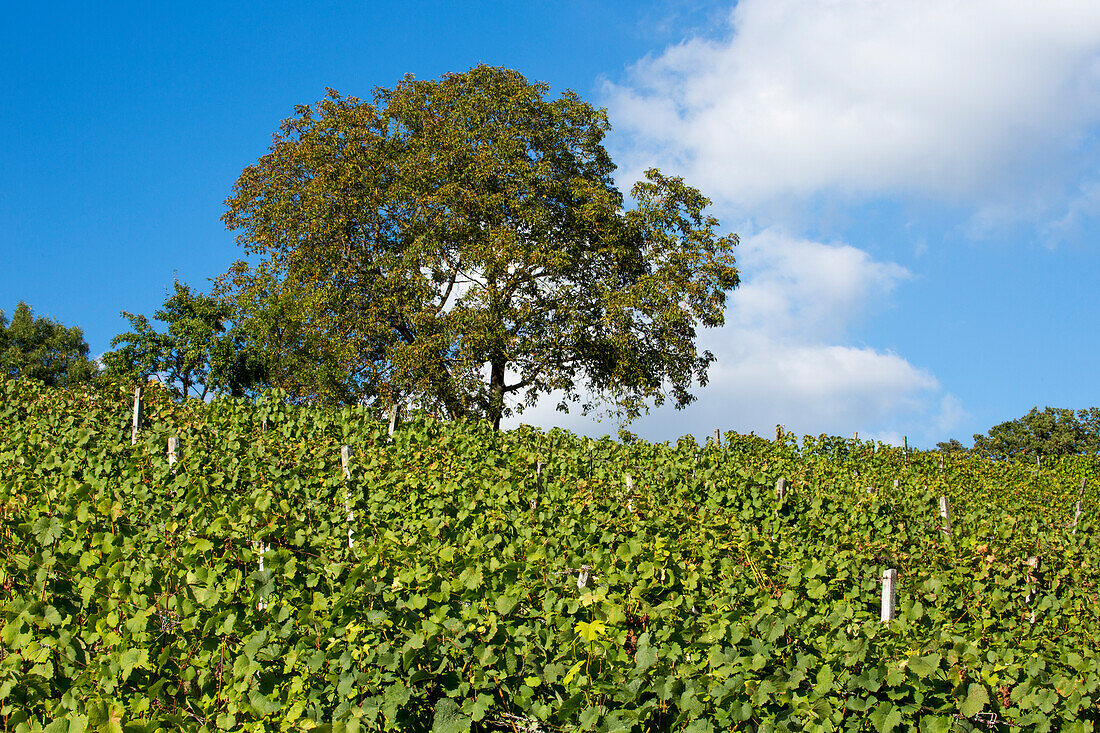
(905, 443)
(897, 484)
(629, 481)
(717, 438)
(262, 604)
(173, 450)
(1077, 514)
(945, 514)
(1032, 577)
(941, 461)
(855, 436)
(889, 594)
(780, 489)
(345, 460)
(136, 422)
(345, 463)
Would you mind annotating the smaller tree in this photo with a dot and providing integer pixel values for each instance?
(1051, 432)
(951, 446)
(201, 352)
(43, 349)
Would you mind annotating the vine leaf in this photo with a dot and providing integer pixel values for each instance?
(976, 700)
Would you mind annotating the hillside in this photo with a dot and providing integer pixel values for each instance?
(630, 587)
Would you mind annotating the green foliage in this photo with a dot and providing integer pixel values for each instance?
(476, 597)
(461, 243)
(1052, 432)
(43, 349)
(200, 352)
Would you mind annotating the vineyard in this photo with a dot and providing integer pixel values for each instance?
(448, 578)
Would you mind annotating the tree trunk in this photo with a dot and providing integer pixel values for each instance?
(496, 391)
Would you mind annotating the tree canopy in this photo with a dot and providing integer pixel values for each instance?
(1050, 432)
(460, 242)
(43, 349)
(199, 353)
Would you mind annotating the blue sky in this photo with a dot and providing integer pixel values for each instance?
(915, 185)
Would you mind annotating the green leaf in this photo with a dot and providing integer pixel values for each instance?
(12, 634)
(477, 708)
(644, 658)
(263, 704)
(627, 550)
(505, 604)
(449, 718)
(132, 658)
(937, 724)
(976, 700)
(253, 645)
(589, 717)
(590, 630)
(572, 673)
(60, 725)
(924, 666)
(47, 530)
(886, 717)
(51, 616)
(824, 681)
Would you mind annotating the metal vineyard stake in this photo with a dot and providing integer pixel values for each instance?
(345, 461)
(136, 423)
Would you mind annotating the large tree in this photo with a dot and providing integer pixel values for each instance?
(43, 349)
(199, 352)
(461, 242)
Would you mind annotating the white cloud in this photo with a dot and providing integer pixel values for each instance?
(965, 101)
(1077, 210)
(951, 415)
(798, 287)
(987, 108)
(782, 357)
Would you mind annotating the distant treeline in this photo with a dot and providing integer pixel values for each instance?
(1052, 431)
(201, 352)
